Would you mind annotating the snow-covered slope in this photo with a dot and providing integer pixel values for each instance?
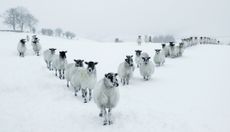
(187, 94)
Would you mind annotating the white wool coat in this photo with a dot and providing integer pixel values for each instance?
(20, 48)
(105, 97)
(48, 56)
(59, 63)
(83, 79)
(147, 69)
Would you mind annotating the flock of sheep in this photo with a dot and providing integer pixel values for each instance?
(82, 75)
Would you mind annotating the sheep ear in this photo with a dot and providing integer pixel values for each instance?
(131, 56)
(149, 57)
(75, 60)
(82, 60)
(143, 58)
(65, 51)
(106, 75)
(55, 49)
(86, 63)
(95, 63)
(116, 74)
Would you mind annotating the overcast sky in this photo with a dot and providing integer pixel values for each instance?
(103, 18)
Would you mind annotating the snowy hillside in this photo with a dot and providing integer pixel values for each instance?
(187, 94)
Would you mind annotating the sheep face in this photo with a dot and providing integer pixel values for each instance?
(181, 45)
(79, 63)
(163, 45)
(138, 52)
(52, 50)
(91, 66)
(62, 54)
(129, 60)
(158, 51)
(171, 44)
(145, 60)
(23, 41)
(111, 80)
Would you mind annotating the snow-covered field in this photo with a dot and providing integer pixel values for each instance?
(187, 94)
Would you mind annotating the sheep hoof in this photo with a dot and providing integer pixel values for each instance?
(85, 101)
(105, 123)
(110, 122)
(75, 94)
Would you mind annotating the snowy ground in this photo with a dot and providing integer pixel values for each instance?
(187, 94)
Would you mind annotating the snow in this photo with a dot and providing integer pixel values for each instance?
(187, 94)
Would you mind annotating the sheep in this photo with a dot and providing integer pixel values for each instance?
(172, 50)
(106, 96)
(180, 49)
(138, 58)
(165, 49)
(48, 57)
(22, 47)
(58, 63)
(139, 40)
(36, 46)
(125, 70)
(85, 79)
(159, 57)
(147, 68)
(71, 69)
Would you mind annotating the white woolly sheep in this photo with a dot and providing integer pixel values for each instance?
(71, 69)
(22, 47)
(147, 68)
(138, 58)
(48, 57)
(85, 79)
(172, 50)
(58, 63)
(125, 70)
(106, 96)
(165, 49)
(180, 49)
(159, 57)
(36, 46)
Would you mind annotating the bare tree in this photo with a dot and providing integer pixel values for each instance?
(19, 17)
(58, 32)
(10, 17)
(69, 35)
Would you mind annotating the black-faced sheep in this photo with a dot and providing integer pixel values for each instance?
(22, 47)
(36, 46)
(147, 68)
(106, 96)
(138, 58)
(125, 70)
(165, 49)
(58, 63)
(48, 57)
(172, 50)
(71, 69)
(85, 79)
(159, 57)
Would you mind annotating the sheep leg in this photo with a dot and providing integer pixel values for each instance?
(105, 117)
(20, 54)
(85, 98)
(47, 64)
(109, 116)
(60, 75)
(67, 84)
(55, 72)
(76, 89)
(90, 94)
(101, 113)
(83, 93)
(63, 73)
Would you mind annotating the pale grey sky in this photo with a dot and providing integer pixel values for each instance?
(104, 18)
